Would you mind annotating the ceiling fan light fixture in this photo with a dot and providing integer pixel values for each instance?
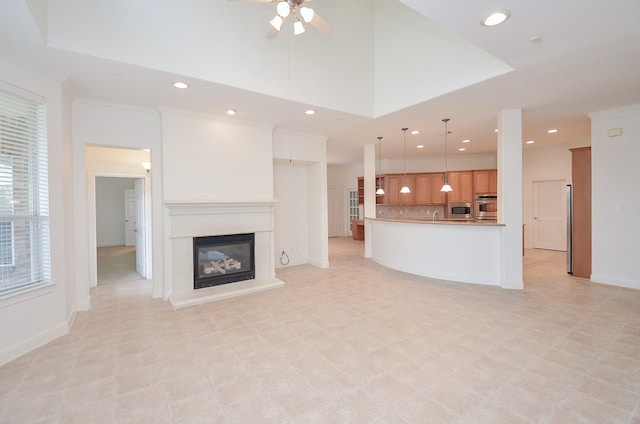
(276, 22)
(307, 13)
(283, 8)
(298, 28)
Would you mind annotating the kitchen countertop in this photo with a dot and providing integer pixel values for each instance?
(441, 221)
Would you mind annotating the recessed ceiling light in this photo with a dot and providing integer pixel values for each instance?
(415, 132)
(461, 149)
(530, 142)
(231, 112)
(420, 146)
(496, 130)
(180, 84)
(552, 131)
(496, 18)
(466, 141)
(310, 112)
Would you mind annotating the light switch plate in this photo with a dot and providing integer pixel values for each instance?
(614, 132)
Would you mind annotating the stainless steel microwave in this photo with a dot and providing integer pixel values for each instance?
(461, 210)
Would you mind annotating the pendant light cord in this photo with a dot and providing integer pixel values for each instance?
(446, 167)
(404, 155)
(289, 104)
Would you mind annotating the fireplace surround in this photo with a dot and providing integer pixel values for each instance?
(189, 219)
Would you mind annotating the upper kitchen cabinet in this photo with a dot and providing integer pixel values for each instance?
(462, 184)
(380, 199)
(392, 190)
(485, 181)
(428, 189)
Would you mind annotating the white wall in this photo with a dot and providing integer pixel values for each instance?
(615, 197)
(307, 153)
(420, 60)
(207, 158)
(119, 126)
(228, 44)
(110, 210)
(291, 213)
(36, 317)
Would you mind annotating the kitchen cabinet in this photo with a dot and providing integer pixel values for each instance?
(380, 199)
(394, 183)
(357, 230)
(485, 181)
(428, 189)
(462, 184)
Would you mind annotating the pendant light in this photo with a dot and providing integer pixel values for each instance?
(446, 187)
(405, 188)
(380, 190)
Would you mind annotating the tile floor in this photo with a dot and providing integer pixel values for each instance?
(116, 264)
(356, 343)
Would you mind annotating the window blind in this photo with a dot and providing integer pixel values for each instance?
(24, 199)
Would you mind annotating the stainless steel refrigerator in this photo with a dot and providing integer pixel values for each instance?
(569, 229)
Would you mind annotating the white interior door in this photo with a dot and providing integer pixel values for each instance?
(549, 215)
(129, 218)
(141, 262)
(332, 211)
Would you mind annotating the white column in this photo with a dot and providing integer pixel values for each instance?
(370, 181)
(369, 193)
(510, 196)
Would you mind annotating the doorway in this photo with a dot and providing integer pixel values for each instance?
(120, 229)
(549, 215)
(332, 211)
(124, 168)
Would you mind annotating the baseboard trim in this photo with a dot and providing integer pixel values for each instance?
(35, 342)
(614, 281)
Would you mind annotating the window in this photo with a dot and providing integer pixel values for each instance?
(354, 209)
(24, 198)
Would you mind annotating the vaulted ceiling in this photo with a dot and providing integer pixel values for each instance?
(377, 65)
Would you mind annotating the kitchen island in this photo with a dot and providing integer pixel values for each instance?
(464, 251)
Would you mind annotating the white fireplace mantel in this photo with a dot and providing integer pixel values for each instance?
(200, 218)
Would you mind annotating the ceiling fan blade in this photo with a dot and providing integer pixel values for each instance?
(321, 25)
(271, 33)
(252, 1)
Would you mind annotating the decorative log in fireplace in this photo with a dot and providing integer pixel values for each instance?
(223, 259)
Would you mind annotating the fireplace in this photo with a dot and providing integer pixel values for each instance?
(223, 259)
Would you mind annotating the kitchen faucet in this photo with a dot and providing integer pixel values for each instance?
(435, 217)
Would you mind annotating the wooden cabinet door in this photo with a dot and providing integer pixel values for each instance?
(437, 196)
(423, 189)
(493, 181)
(454, 181)
(392, 191)
(481, 182)
(408, 198)
(466, 186)
(485, 181)
(462, 184)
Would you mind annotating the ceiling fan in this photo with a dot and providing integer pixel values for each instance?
(298, 12)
